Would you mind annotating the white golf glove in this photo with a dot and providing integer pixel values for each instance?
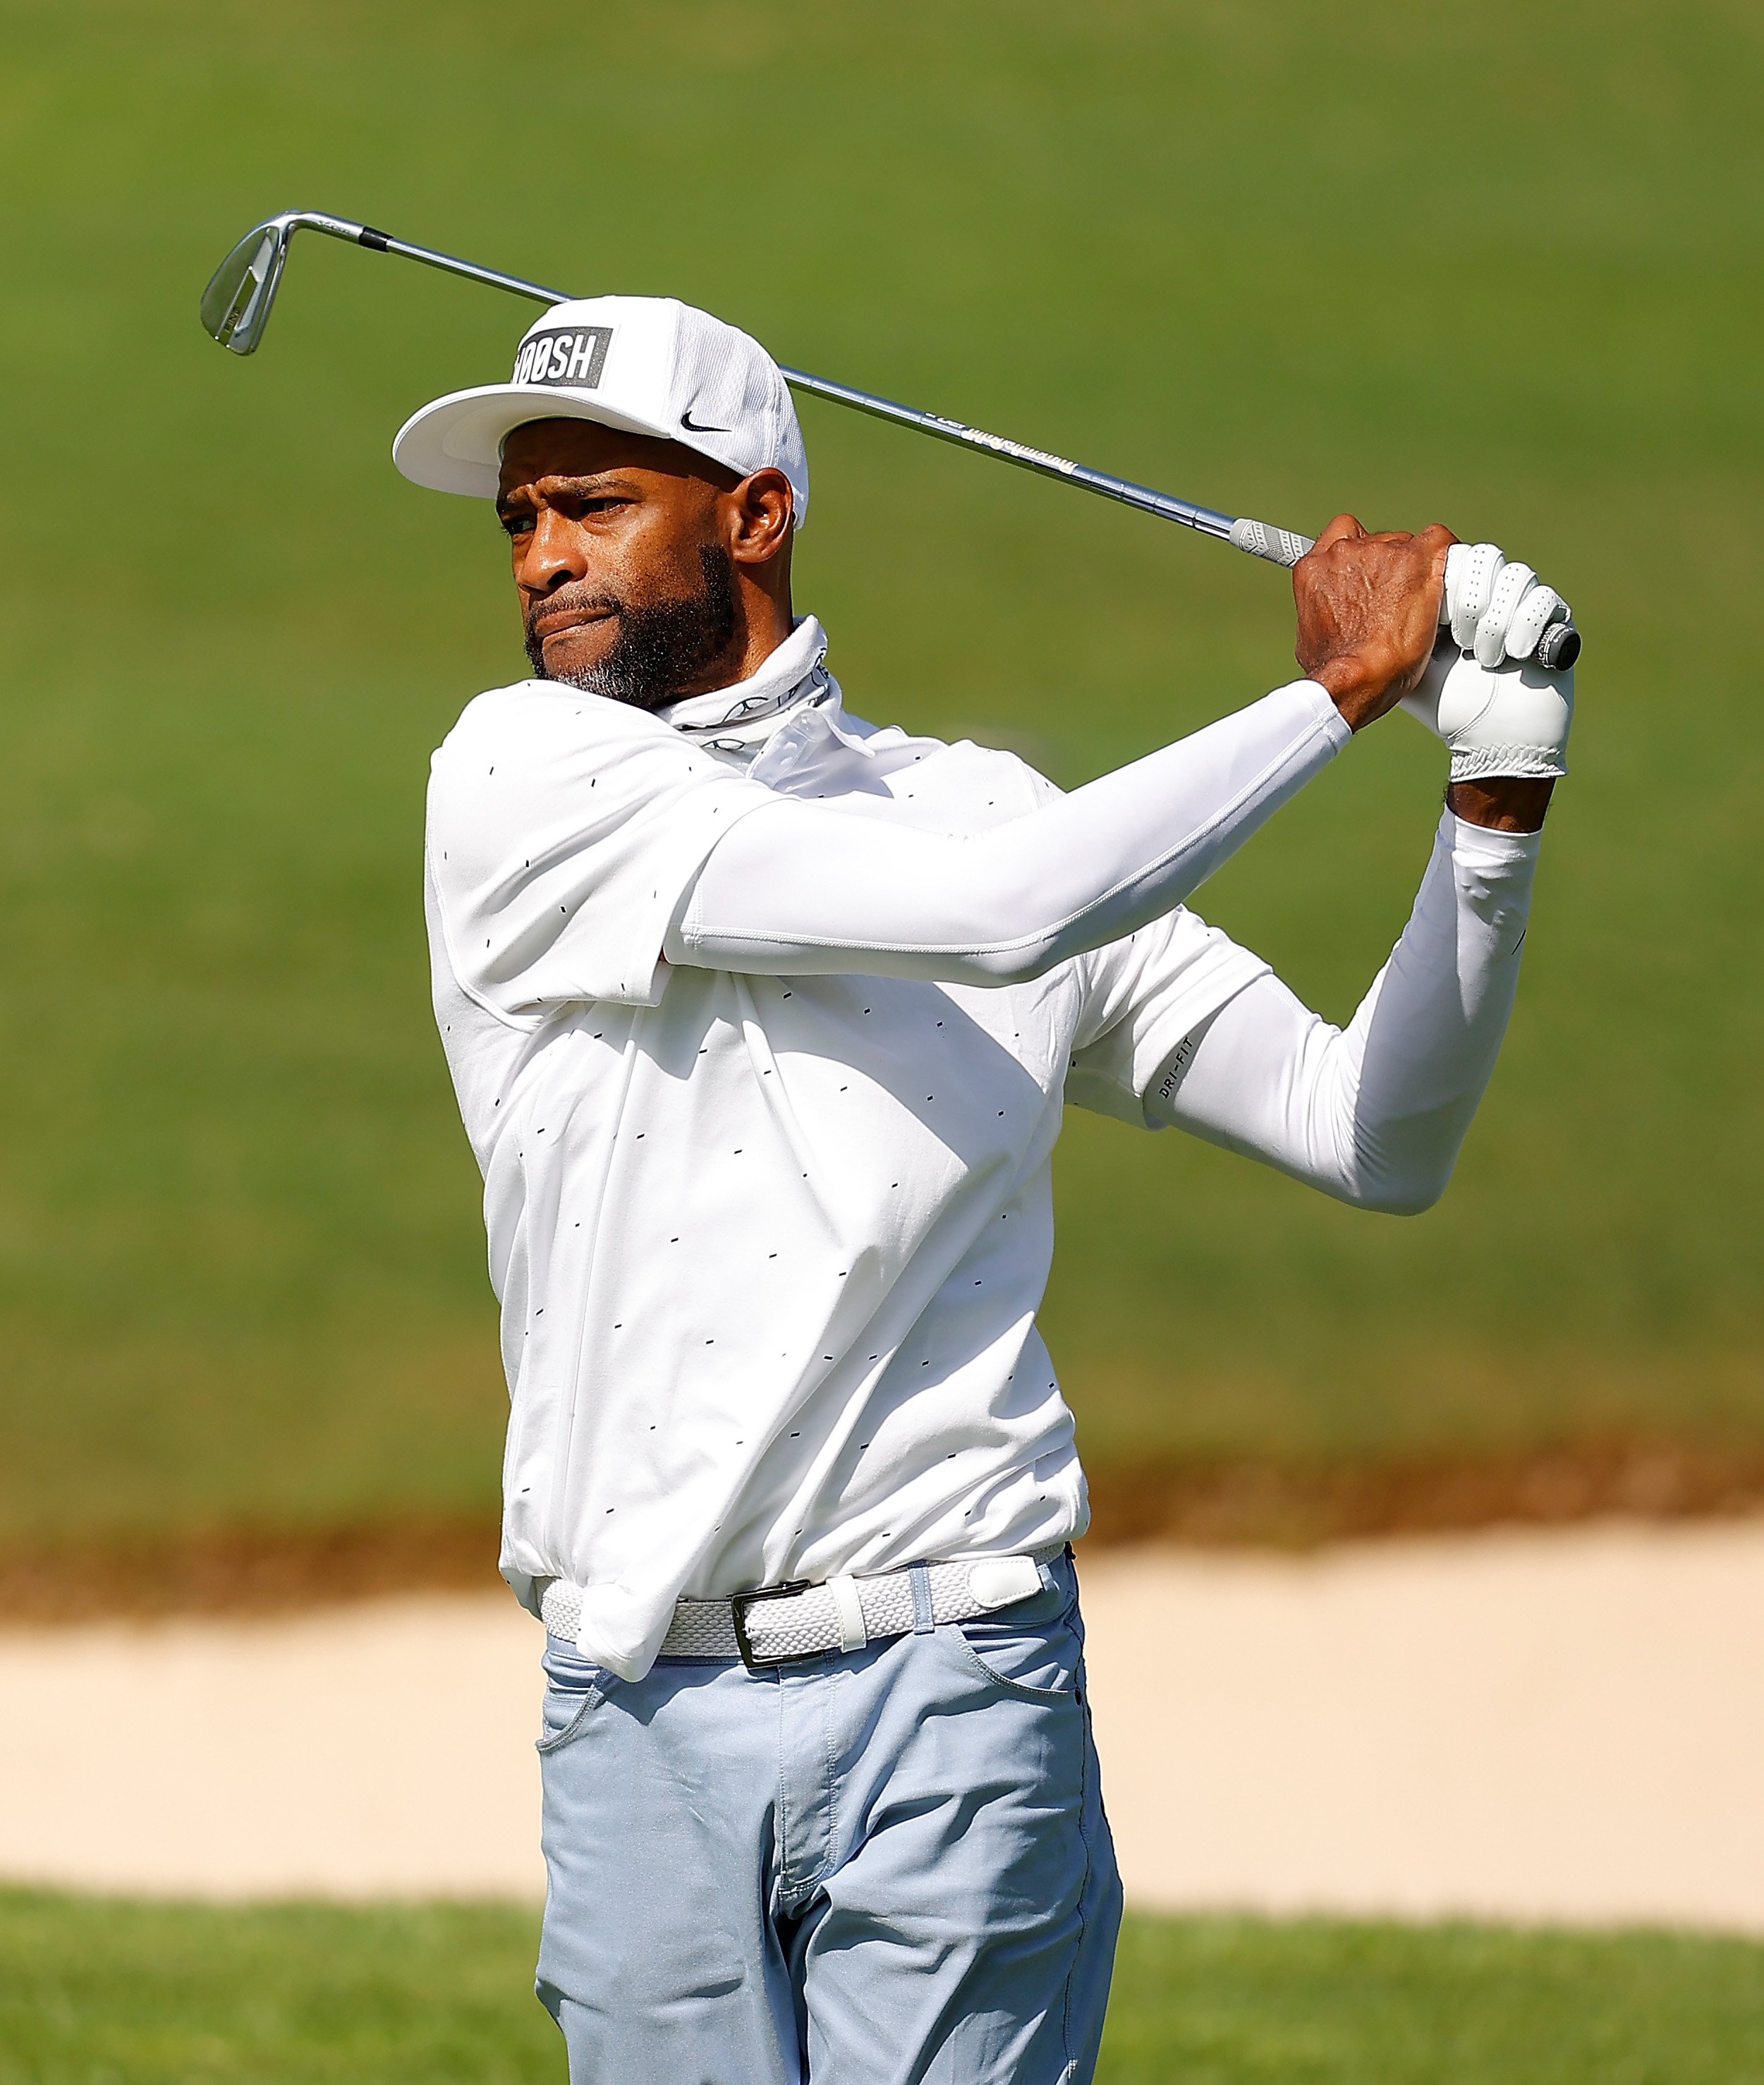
(1490, 702)
(1509, 719)
(1494, 609)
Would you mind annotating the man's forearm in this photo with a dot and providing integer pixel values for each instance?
(795, 889)
(1374, 1114)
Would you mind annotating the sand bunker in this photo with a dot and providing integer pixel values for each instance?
(1560, 1726)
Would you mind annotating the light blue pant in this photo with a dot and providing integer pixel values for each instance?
(874, 1867)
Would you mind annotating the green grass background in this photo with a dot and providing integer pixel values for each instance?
(94, 1993)
(1498, 265)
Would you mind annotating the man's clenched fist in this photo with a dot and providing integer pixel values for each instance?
(1369, 612)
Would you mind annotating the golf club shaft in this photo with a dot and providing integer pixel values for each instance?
(1205, 519)
(1259, 539)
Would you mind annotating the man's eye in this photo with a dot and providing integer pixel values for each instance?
(518, 524)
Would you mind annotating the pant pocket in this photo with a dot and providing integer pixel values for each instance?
(1035, 1648)
(575, 1687)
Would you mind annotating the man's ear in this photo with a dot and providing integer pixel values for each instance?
(764, 508)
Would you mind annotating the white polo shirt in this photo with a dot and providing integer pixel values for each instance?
(769, 1250)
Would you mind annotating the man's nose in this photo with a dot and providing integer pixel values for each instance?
(553, 555)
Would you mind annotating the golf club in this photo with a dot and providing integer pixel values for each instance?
(236, 304)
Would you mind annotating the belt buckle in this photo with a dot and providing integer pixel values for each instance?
(738, 1605)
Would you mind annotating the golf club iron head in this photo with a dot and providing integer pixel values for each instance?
(235, 305)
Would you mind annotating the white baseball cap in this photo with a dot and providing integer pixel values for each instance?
(650, 365)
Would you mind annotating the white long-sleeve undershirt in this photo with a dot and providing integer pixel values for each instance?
(1373, 1113)
(802, 889)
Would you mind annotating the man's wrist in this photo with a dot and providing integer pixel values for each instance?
(1356, 684)
(1503, 803)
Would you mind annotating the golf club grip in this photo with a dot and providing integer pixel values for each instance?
(1557, 649)
(1261, 539)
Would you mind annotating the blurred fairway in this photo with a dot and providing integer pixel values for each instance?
(1498, 265)
(138, 1994)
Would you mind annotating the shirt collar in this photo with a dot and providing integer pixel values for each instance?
(738, 721)
(787, 726)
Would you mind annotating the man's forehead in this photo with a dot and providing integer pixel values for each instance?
(581, 449)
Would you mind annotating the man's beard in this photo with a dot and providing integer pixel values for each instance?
(660, 649)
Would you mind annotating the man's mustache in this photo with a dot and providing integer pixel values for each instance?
(569, 601)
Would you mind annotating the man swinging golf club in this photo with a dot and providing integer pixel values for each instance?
(761, 1020)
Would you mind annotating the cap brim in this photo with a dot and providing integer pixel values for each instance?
(455, 444)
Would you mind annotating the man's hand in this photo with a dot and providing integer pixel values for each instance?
(1508, 728)
(1369, 612)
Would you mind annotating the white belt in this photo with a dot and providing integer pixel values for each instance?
(779, 1624)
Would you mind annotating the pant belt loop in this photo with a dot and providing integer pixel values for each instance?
(919, 1577)
(848, 1606)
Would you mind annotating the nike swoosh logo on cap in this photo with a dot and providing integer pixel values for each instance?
(692, 426)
